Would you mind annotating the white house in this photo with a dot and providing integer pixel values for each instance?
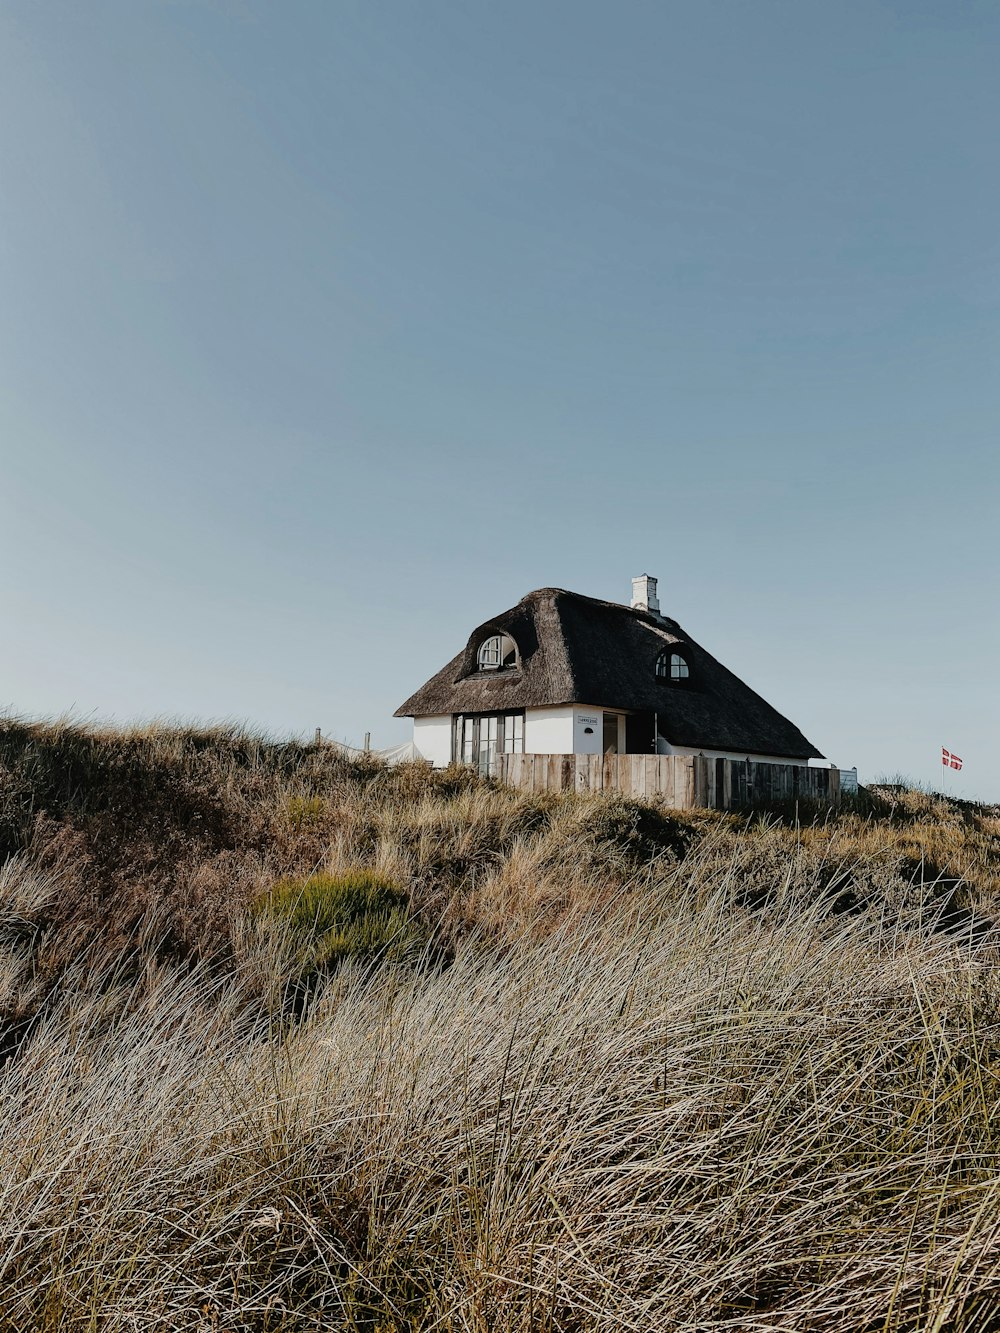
(561, 673)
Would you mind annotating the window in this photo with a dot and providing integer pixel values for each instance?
(466, 729)
(488, 729)
(497, 653)
(671, 666)
(480, 737)
(513, 733)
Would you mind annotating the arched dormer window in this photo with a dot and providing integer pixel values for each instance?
(497, 653)
(672, 667)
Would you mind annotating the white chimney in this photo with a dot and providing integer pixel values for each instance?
(644, 594)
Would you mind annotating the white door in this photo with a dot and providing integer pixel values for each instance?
(613, 740)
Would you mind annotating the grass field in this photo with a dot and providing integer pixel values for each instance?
(293, 1042)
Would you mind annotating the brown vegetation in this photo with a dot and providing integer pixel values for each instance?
(295, 1042)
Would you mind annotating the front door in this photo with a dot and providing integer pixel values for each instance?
(611, 733)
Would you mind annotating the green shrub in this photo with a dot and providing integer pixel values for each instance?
(305, 810)
(329, 918)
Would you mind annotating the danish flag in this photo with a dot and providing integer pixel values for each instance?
(950, 760)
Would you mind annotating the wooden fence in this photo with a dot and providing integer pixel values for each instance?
(682, 781)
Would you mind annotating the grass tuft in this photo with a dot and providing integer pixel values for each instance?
(330, 917)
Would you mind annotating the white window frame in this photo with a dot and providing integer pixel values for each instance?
(477, 738)
(491, 653)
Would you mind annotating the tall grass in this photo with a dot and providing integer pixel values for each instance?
(653, 1071)
(665, 1118)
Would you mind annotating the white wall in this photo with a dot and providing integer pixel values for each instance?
(588, 730)
(665, 747)
(548, 730)
(572, 729)
(432, 737)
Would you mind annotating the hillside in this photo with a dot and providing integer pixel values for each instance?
(294, 1042)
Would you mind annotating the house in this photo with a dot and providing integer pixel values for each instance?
(564, 674)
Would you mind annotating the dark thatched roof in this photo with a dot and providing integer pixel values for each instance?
(575, 649)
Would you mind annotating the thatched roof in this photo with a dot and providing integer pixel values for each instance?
(575, 649)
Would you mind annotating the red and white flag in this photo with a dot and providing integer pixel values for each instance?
(950, 760)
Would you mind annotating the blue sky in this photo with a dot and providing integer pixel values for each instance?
(329, 329)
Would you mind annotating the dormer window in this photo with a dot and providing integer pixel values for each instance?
(672, 666)
(497, 653)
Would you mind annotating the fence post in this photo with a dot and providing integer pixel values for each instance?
(700, 781)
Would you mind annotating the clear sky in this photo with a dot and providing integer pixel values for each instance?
(329, 328)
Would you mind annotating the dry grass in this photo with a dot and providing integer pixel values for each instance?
(651, 1071)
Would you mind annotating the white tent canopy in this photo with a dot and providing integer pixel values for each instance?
(407, 753)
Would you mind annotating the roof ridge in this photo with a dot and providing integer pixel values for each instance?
(596, 601)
